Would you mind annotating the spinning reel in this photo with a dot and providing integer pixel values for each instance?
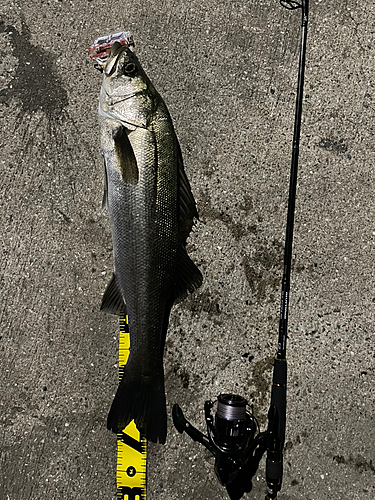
(230, 434)
(233, 438)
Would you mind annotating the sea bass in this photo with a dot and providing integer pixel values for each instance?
(151, 210)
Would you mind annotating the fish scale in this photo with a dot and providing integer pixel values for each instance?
(142, 258)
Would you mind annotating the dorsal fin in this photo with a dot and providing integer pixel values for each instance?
(187, 205)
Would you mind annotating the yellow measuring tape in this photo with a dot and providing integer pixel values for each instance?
(131, 447)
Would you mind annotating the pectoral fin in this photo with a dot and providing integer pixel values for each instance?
(126, 160)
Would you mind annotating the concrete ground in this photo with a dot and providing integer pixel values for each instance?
(227, 71)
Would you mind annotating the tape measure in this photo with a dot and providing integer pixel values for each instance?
(131, 446)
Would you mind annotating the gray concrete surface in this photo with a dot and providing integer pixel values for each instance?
(227, 71)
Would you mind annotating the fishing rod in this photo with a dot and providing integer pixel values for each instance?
(277, 411)
(232, 435)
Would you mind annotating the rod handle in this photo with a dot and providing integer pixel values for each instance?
(276, 429)
(278, 396)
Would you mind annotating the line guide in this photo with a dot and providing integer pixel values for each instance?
(131, 447)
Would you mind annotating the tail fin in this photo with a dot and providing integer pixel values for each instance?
(142, 400)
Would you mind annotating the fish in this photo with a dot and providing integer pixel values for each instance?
(151, 211)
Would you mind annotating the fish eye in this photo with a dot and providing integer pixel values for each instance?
(130, 68)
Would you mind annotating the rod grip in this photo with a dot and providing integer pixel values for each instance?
(274, 471)
(278, 396)
(276, 427)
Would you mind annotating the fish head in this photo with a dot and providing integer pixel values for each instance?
(126, 94)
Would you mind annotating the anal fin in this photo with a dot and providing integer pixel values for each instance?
(112, 301)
